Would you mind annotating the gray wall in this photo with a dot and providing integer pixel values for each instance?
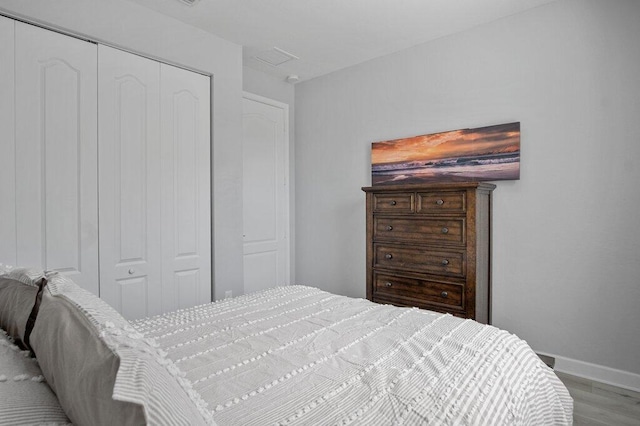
(271, 87)
(566, 253)
(141, 30)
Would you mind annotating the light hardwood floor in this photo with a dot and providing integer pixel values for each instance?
(599, 404)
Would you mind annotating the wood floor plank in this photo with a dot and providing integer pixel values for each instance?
(610, 418)
(622, 395)
(579, 420)
(598, 404)
(575, 382)
(605, 403)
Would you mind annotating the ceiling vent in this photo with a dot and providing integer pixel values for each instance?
(275, 57)
(189, 2)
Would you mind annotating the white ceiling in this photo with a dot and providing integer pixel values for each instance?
(328, 35)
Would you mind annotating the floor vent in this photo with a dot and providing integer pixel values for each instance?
(549, 360)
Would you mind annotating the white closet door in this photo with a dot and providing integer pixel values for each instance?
(129, 182)
(56, 154)
(7, 144)
(186, 202)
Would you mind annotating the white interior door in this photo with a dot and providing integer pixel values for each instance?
(186, 188)
(56, 154)
(265, 193)
(129, 182)
(7, 144)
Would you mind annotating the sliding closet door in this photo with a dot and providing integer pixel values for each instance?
(129, 182)
(154, 185)
(56, 154)
(7, 145)
(186, 203)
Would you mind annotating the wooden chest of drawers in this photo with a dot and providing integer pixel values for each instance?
(429, 246)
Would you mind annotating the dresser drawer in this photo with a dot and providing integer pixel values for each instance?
(386, 286)
(420, 259)
(422, 304)
(420, 229)
(394, 202)
(442, 202)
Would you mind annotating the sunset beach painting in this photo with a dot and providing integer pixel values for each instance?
(484, 153)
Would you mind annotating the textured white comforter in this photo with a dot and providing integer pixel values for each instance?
(298, 355)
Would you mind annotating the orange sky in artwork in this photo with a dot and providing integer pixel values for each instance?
(457, 143)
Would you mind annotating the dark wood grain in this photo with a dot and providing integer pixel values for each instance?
(444, 230)
(441, 202)
(429, 259)
(429, 246)
(394, 285)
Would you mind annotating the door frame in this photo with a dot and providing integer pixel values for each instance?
(287, 176)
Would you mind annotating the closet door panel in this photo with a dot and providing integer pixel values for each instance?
(129, 183)
(186, 202)
(7, 144)
(56, 154)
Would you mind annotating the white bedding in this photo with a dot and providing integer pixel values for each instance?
(25, 398)
(298, 355)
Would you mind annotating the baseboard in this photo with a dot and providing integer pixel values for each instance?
(599, 373)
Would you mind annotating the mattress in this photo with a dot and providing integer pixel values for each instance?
(299, 355)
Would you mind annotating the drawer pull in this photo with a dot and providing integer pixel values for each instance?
(444, 262)
(388, 256)
(440, 202)
(445, 230)
(388, 284)
(131, 271)
(444, 294)
(393, 202)
(389, 228)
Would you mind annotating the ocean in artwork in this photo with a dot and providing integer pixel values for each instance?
(480, 154)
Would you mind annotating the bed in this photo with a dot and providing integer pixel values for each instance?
(288, 355)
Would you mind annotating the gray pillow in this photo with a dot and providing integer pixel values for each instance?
(102, 370)
(18, 289)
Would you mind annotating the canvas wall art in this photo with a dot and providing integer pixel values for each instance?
(484, 153)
